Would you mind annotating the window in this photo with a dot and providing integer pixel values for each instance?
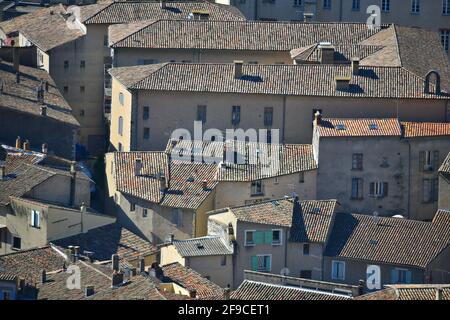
(306, 249)
(236, 115)
(120, 126)
(66, 64)
(378, 189)
(400, 276)
(415, 6)
(121, 98)
(35, 219)
(262, 263)
(357, 188)
(146, 113)
(105, 40)
(66, 89)
(17, 243)
(430, 190)
(445, 7)
(132, 206)
(428, 160)
(276, 238)
(82, 64)
(82, 89)
(385, 5)
(144, 213)
(306, 274)
(257, 188)
(301, 177)
(223, 261)
(338, 270)
(297, 3)
(120, 147)
(6, 295)
(268, 117)
(146, 133)
(249, 238)
(357, 161)
(445, 38)
(327, 4)
(269, 136)
(356, 5)
(177, 217)
(201, 114)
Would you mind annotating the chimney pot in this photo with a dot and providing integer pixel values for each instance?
(115, 262)
(44, 148)
(355, 66)
(238, 69)
(226, 293)
(317, 118)
(44, 111)
(26, 146)
(205, 185)
(361, 285)
(18, 143)
(171, 237)
(83, 208)
(73, 167)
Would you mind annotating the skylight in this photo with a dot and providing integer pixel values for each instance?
(341, 127)
(373, 126)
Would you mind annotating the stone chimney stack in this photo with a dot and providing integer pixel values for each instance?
(18, 143)
(317, 118)
(115, 262)
(238, 69)
(138, 167)
(44, 148)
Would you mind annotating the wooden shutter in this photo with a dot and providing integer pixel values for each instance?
(385, 189)
(408, 277)
(255, 263)
(259, 237)
(421, 161)
(394, 276)
(268, 237)
(372, 188)
(435, 160)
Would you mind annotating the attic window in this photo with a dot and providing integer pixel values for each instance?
(200, 246)
(341, 127)
(190, 179)
(373, 126)
(374, 242)
(316, 210)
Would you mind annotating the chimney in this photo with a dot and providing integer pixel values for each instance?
(138, 167)
(226, 294)
(26, 146)
(238, 69)
(2, 172)
(308, 17)
(17, 77)
(193, 294)
(141, 265)
(16, 59)
(117, 279)
(317, 118)
(89, 291)
(44, 148)
(361, 285)
(171, 237)
(83, 208)
(46, 86)
(355, 66)
(205, 185)
(439, 294)
(76, 253)
(73, 181)
(44, 110)
(163, 184)
(18, 143)
(115, 262)
(163, 4)
(73, 168)
(342, 83)
(43, 276)
(326, 53)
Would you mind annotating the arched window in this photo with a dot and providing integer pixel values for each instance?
(437, 85)
(120, 126)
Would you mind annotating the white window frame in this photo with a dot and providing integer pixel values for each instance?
(254, 188)
(398, 270)
(246, 243)
(385, 6)
(415, 6)
(446, 7)
(35, 223)
(270, 262)
(121, 98)
(333, 270)
(280, 243)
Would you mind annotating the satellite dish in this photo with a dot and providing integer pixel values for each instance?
(284, 272)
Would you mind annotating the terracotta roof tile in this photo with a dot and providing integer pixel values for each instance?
(445, 167)
(425, 129)
(205, 246)
(361, 127)
(408, 292)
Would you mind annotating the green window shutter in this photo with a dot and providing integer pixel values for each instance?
(408, 277)
(254, 263)
(268, 237)
(259, 237)
(394, 276)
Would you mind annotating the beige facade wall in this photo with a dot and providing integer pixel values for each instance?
(134, 56)
(169, 254)
(123, 111)
(292, 115)
(297, 261)
(211, 267)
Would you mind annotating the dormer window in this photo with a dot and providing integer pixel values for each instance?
(341, 127)
(373, 126)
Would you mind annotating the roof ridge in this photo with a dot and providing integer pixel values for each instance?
(25, 250)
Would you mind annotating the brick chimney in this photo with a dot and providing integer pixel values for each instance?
(117, 279)
(238, 69)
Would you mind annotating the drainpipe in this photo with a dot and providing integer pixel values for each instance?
(286, 248)
(283, 127)
(409, 179)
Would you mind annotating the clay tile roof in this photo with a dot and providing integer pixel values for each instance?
(108, 240)
(191, 280)
(359, 127)
(129, 11)
(295, 80)
(22, 97)
(205, 246)
(387, 240)
(28, 264)
(425, 129)
(252, 290)
(445, 167)
(409, 292)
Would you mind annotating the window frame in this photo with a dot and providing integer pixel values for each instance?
(339, 262)
(280, 242)
(254, 186)
(246, 243)
(35, 223)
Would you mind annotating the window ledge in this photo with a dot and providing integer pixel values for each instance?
(257, 195)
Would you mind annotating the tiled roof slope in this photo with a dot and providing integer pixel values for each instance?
(28, 264)
(22, 96)
(252, 290)
(129, 11)
(192, 280)
(387, 240)
(46, 28)
(445, 167)
(309, 220)
(108, 240)
(205, 246)
(344, 127)
(296, 80)
(425, 129)
(254, 161)
(408, 292)
(238, 35)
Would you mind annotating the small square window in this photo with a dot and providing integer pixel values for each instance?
(146, 133)
(144, 213)
(223, 261)
(82, 64)
(306, 249)
(249, 238)
(132, 206)
(17, 243)
(66, 64)
(276, 237)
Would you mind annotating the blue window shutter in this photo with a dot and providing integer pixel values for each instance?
(408, 277)
(259, 237)
(268, 237)
(254, 263)
(394, 276)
